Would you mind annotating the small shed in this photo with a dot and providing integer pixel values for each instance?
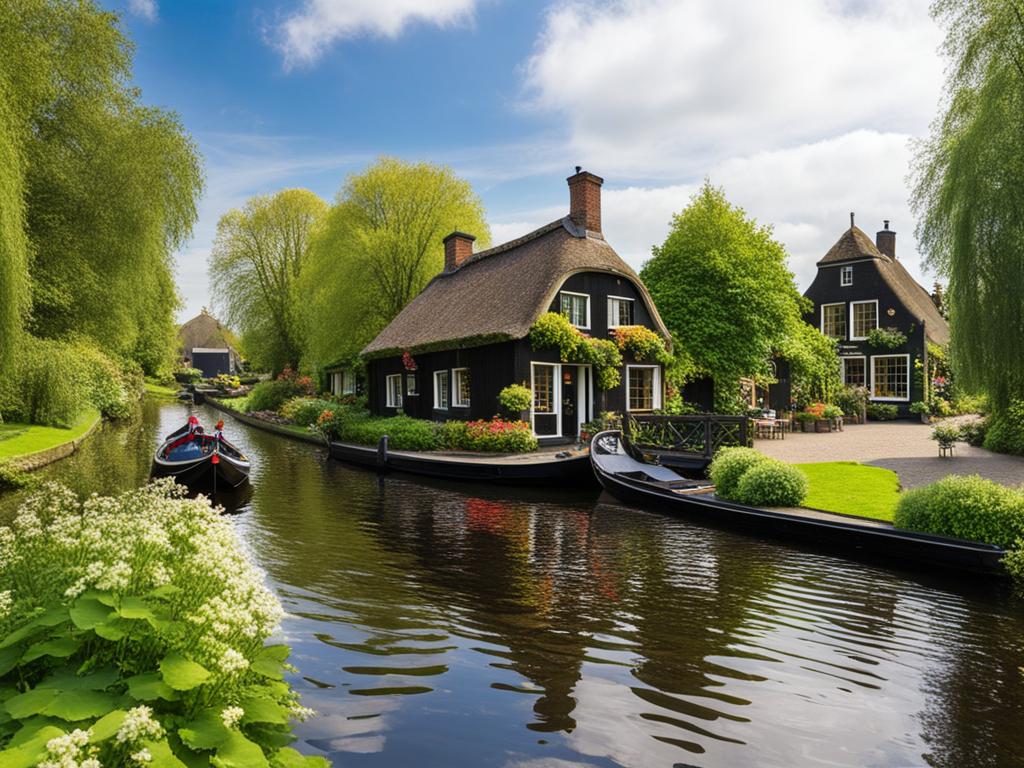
(208, 346)
(212, 361)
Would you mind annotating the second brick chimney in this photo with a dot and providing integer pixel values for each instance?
(585, 200)
(458, 247)
(885, 241)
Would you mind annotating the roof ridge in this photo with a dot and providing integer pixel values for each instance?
(565, 222)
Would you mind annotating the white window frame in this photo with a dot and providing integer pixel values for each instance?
(437, 390)
(821, 319)
(585, 296)
(556, 396)
(454, 394)
(846, 276)
(842, 373)
(909, 380)
(388, 392)
(656, 384)
(413, 391)
(336, 383)
(851, 329)
(348, 382)
(632, 305)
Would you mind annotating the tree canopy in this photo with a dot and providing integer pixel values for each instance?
(722, 286)
(970, 194)
(257, 262)
(380, 245)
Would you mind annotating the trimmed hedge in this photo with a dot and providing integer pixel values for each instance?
(882, 412)
(729, 465)
(772, 483)
(966, 508)
(495, 436)
(1006, 431)
(404, 433)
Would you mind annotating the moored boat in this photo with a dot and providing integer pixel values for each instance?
(623, 473)
(200, 460)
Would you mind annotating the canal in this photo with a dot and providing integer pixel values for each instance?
(443, 625)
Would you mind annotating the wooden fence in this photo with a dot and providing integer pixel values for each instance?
(694, 437)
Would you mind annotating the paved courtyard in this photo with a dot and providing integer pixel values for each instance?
(904, 447)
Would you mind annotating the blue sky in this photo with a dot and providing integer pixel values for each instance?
(802, 116)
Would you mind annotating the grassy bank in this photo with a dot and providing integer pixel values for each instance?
(155, 388)
(17, 440)
(852, 489)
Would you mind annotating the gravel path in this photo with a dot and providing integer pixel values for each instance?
(902, 446)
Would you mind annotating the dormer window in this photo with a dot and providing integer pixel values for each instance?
(846, 276)
(576, 307)
(620, 311)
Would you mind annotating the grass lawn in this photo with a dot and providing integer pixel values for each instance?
(852, 488)
(153, 388)
(235, 403)
(20, 439)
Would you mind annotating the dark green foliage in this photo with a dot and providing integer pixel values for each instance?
(404, 433)
(13, 243)
(494, 436)
(729, 465)
(553, 330)
(886, 338)
(946, 435)
(1005, 433)
(882, 411)
(271, 395)
(973, 432)
(772, 483)
(14, 479)
(514, 399)
(965, 508)
(305, 411)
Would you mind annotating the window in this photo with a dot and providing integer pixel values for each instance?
(460, 387)
(441, 389)
(576, 306)
(846, 276)
(410, 385)
(394, 391)
(854, 374)
(833, 320)
(865, 318)
(890, 377)
(543, 388)
(620, 311)
(643, 387)
(343, 383)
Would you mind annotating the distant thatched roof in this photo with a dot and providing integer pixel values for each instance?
(498, 294)
(855, 245)
(204, 332)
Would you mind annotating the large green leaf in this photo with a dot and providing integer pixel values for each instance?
(135, 608)
(107, 726)
(166, 591)
(151, 686)
(162, 755)
(103, 596)
(67, 679)
(23, 633)
(289, 758)
(239, 752)
(262, 710)
(29, 753)
(113, 629)
(31, 728)
(79, 705)
(205, 732)
(9, 658)
(30, 703)
(58, 647)
(181, 673)
(270, 661)
(88, 612)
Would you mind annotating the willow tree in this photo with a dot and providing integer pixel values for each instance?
(13, 243)
(970, 194)
(380, 246)
(258, 258)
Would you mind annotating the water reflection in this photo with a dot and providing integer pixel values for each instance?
(434, 625)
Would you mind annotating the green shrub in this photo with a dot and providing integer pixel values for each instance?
(851, 400)
(920, 407)
(514, 399)
(271, 395)
(45, 385)
(133, 631)
(832, 412)
(494, 436)
(1006, 430)
(966, 508)
(305, 411)
(882, 411)
(111, 389)
(404, 432)
(14, 479)
(973, 432)
(886, 338)
(964, 404)
(729, 465)
(946, 435)
(772, 483)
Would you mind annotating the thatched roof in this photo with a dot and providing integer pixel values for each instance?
(855, 245)
(498, 294)
(204, 332)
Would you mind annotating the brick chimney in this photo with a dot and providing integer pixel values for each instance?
(885, 241)
(585, 200)
(458, 247)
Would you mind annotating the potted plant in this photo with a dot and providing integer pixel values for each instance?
(834, 414)
(515, 400)
(922, 409)
(806, 420)
(946, 436)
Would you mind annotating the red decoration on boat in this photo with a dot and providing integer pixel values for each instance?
(215, 459)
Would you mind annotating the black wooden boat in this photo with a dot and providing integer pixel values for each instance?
(569, 467)
(199, 460)
(620, 469)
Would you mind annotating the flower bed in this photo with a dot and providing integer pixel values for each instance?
(132, 632)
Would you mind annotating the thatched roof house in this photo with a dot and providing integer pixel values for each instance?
(206, 344)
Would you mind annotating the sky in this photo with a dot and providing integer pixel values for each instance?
(803, 110)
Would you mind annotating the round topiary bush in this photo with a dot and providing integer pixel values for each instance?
(964, 507)
(771, 483)
(729, 466)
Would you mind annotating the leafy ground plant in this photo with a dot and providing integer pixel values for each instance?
(132, 632)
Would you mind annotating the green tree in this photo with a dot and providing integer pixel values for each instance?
(380, 246)
(721, 284)
(257, 261)
(970, 194)
(13, 243)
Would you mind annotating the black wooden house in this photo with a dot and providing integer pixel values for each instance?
(861, 286)
(464, 338)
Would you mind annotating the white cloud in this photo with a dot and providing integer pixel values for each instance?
(659, 88)
(305, 36)
(145, 9)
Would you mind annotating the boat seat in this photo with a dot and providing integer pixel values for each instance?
(620, 464)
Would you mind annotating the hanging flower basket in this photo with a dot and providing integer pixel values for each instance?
(408, 361)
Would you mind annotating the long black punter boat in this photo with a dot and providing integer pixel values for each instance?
(199, 460)
(623, 473)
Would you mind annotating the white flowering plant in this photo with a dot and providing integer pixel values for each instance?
(133, 631)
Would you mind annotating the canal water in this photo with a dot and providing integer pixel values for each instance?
(447, 625)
